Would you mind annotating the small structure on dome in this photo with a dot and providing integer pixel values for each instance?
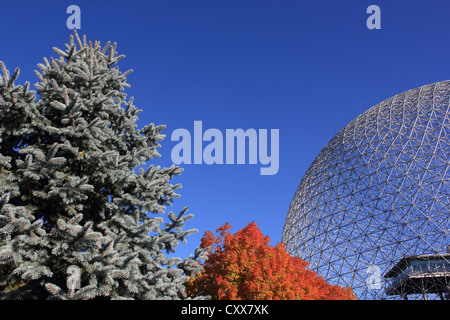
(420, 275)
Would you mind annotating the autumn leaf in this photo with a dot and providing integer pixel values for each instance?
(243, 266)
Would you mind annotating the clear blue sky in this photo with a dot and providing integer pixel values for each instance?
(306, 68)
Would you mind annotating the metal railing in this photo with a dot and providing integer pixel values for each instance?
(420, 267)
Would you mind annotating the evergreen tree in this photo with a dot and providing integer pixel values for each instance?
(73, 190)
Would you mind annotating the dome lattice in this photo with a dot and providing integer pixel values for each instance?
(377, 192)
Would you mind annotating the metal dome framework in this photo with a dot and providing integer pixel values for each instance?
(377, 192)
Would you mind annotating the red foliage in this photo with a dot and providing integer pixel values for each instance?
(244, 266)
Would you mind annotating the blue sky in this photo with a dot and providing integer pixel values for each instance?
(306, 68)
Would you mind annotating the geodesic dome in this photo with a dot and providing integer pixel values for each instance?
(379, 191)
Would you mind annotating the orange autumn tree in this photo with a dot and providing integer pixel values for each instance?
(244, 266)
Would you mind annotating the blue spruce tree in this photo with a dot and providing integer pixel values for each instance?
(73, 204)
